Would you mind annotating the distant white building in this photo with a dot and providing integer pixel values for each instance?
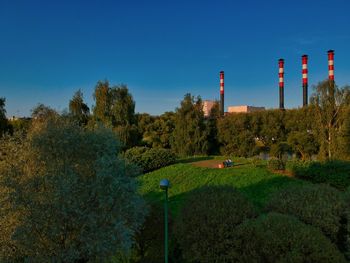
(244, 109)
(207, 106)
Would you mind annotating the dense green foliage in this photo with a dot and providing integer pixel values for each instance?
(329, 104)
(281, 238)
(346, 225)
(115, 108)
(318, 205)
(189, 136)
(235, 135)
(206, 225)
(3, 120)
(276, 164)
(65, 196)
(78, 109)
(335, 172)
(149, 159)
(156, 131)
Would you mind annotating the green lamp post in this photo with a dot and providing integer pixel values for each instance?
(164, 185)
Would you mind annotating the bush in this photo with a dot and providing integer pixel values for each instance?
(280, 238)
(294, 164)
(255, 161)
(346, 225)
(205, 226)
(335, 173)
(150, 159)
(276, 164)
(318, 205)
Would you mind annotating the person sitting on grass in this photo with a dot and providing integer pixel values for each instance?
(228, 163)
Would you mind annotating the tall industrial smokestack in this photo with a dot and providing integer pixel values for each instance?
(305, 78)
(331, 65)
(222, 93)
(281, 82)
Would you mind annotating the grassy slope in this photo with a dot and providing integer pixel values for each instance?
(256, 183)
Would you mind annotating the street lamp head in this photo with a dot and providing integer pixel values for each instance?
(164, 184)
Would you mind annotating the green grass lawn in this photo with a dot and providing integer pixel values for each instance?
(256, 183)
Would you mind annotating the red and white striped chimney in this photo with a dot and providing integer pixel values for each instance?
(222, 93)
(331, 65)
(304, 59)
(281, 81)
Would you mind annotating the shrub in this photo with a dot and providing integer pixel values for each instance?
(294, 164)
(205, 226)
(280, 238)
(255, 161)
(150, 159)
(335, 172)
(276, 164)
(318, 205)
(346, 225)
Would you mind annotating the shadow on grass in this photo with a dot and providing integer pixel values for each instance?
(195, 159)
(257, 193)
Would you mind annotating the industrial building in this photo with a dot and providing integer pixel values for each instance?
(244, 109)
(207, 106)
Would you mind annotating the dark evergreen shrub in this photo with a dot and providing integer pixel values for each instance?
(335, 172)
(281, 238)
(318, 205)
(205, 226)
(276, 164)
(346, 226)
(150, 159)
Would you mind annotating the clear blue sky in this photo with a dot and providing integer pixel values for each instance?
(164, 49)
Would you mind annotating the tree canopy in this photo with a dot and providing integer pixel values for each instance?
(78, 109)
(65, 195)
(115, 108)
(3, 119)
(189, 137)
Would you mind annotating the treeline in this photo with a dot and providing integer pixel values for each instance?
(320, 130)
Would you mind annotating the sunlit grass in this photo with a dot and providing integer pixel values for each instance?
(256, 183)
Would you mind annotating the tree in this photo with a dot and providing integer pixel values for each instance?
(103, 100)
(115, 108)
(42, 113)
(273, 128)
(78, 109)
(65, 196)
(212, 129)
(235, 135)
(157, 130)
(3, 120)
(189, 136)
(303, 143)
(344, 138)
(329, 103)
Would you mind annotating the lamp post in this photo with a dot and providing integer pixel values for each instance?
(164, 185)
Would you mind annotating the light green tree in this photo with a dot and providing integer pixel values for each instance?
(189, 137)
(115, 108)
(65, 196)
(329, 103)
